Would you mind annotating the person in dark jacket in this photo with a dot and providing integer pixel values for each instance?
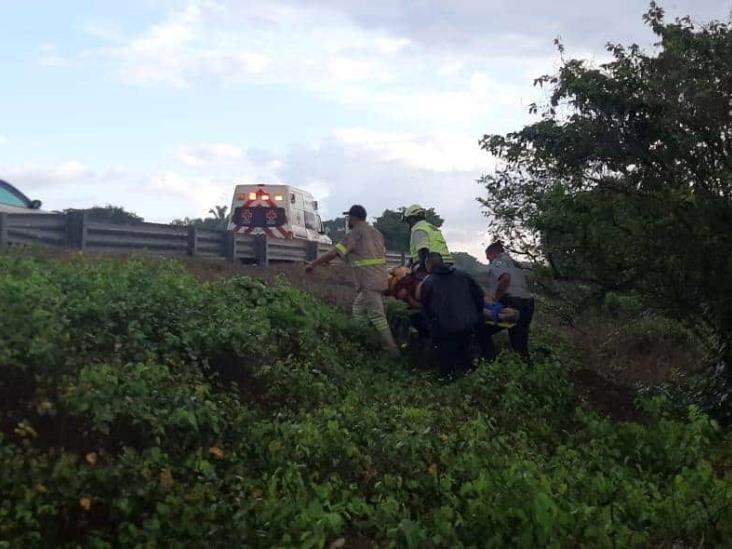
(453, 304)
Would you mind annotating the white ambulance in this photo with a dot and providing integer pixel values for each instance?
(279, 211)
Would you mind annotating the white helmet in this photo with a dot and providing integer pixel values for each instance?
(415, 210)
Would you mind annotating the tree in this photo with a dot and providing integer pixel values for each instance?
(220, 213)
(467, 262)
(335, 228)
(111, 214)
(626, 181)
(396, 232)
(219, 219)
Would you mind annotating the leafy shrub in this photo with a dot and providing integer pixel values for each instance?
(616, 305)
(648, 332)
(142, 407)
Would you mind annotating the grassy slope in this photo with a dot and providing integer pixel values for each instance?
(141, 405)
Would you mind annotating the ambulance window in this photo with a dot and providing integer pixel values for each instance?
(311, 222)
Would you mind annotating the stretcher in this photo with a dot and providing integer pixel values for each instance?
(507, 318)
(403, 285)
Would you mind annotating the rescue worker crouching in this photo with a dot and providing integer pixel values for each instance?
(508, 288)
(363, 248)
(452, 302)
(424, 239)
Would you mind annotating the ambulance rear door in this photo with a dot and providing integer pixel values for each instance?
(258, 210)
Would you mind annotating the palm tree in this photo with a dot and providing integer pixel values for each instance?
(220, 215)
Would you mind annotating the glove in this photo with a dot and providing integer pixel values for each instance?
(495, 309)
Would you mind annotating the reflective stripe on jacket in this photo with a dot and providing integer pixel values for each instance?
(363, 248)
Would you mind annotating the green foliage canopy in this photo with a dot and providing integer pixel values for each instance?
(111, 214)
(218, 219)
(626, 180)
(396, 232)
(335, 228)
(467, 262)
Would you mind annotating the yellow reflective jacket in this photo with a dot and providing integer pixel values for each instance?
(435, 242)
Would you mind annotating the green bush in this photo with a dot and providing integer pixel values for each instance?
(618, 305)
(143, 407)
(649, 331)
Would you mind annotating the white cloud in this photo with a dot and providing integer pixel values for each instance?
(33, 176)
(317, 51)
(442, 152)
(391, 46)
(71, 170)
(72, 184)
(176, 51)
(197, 194)
(49, 56)
(430, 62)
(500, 27)
(321, 190)
(468, 101)
(224, 41)
(387, 170)
(205, 153)
(347, 69)
(109, 31)
(4, 140)
(116, 173)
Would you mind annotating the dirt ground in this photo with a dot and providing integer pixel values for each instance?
(330, 283)
(610, 399)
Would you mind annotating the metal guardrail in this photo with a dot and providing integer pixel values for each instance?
(75, 231)
(395, 259)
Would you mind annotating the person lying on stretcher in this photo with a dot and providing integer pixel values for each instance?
(404, 285)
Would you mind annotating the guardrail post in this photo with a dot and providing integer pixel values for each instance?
(192, 240)
(404, 258)
(311, 250)
(76, 230)
(260, 250)
(3, 229)
(230, 245)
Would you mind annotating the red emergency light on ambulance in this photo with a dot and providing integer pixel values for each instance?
(279, 211)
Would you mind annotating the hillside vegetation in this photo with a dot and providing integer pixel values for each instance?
(141, 406)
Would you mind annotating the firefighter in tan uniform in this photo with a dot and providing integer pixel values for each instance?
(363, 248)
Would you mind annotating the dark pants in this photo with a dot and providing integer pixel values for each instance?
(418, 320)
(518, 335)
(453, 351)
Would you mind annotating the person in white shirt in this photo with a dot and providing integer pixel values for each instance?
(508, 289)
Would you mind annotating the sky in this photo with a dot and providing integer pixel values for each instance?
(163, 106)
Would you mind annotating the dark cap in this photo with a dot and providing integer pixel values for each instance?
(357, 212)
